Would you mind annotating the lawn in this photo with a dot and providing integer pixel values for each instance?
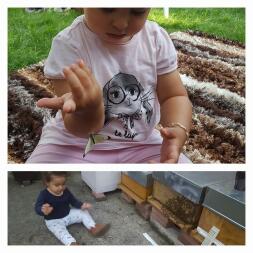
(226, 23)
(30, 35)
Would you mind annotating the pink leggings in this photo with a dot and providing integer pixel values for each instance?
(51, 153)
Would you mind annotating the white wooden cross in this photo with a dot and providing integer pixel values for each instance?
(210, 237)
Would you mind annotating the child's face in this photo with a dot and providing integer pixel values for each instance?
(56, 185)
(116, 25)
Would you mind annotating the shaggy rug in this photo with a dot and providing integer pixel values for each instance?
(213, 72)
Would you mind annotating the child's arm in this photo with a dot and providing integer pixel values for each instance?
(176, 108)
(86, 206)
(39, 204)
(73, 200)
(79, 96)
(78, 204)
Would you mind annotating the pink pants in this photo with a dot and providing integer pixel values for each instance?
(51, 153)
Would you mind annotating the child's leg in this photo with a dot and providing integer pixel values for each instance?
(80, 216)
(50, 153)
(146, 153)
(59, 228)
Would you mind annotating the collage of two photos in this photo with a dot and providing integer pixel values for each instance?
(126, 208)
(126, 86)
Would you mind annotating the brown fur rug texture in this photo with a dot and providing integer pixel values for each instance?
(213, 72)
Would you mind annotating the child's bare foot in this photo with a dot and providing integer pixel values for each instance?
(99, 229)
(99, 196)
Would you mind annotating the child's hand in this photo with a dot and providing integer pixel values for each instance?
(171, 148)
(46, 209)
(86, 206)
(86, 94)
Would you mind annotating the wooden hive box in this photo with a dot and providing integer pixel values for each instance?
(224, 208)
(136, 189)
(175, 206)
(182, 193)
(230, 234)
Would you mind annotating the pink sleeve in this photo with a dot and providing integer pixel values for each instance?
(62, 54)
(166, 54)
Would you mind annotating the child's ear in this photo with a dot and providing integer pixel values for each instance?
(45, 182)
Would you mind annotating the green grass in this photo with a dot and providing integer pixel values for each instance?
(30, 35)
(228, 23)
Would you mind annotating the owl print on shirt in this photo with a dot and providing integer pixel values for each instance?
(126, 100)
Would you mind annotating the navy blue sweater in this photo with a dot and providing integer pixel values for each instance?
(61, 204)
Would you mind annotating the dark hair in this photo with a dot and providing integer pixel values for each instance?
(47, 175)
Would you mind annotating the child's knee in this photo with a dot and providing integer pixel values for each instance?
(84, 212)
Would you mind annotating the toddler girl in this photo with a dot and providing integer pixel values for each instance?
(115, 76)
(53, 203)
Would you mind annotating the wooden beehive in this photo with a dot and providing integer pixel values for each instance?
(134, 189)
(176, 204)
(230, 234)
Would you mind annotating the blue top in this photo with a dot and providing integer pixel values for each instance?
(61, 204)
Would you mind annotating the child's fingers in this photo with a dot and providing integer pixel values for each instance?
(169, 157)
(45, 209)
(81, 63)
(172, 160)
(164, 132)
(51, 103)
(69, 106)
(87, 70)
(167, 133)
(74, 83)
(83, 66)
(82, 75)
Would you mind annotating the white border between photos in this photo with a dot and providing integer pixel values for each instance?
(4, 4)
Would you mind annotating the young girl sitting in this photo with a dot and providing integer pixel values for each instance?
(54, 204)
(115, 76)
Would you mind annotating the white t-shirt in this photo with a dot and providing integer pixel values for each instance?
(127, 74)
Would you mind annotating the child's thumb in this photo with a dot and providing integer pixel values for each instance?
(51, 103)
(167, 133)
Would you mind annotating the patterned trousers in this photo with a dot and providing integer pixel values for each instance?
(59, 226)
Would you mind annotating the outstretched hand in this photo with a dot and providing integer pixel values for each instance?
(85, 91)
(170, 149)
(46, 209)
(86, 205)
